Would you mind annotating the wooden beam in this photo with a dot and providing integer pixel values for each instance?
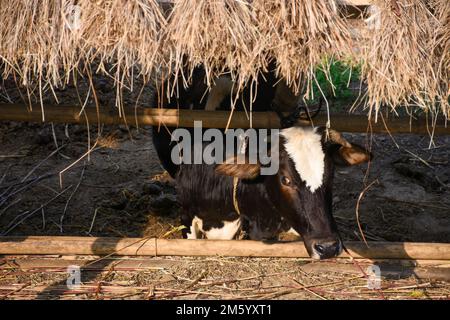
(182, 247)
(210, 119)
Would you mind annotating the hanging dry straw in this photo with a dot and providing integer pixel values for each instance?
(406, 59)
(441, 53)
(222, 36)
(122, 33)
(301, 34)
(36, 40)
(400, 58)
(47, 40)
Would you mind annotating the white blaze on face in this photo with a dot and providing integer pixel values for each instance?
(304, 146)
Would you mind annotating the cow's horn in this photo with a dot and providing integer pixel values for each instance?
(337, 137)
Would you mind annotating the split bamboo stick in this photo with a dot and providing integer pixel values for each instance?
(181, 247)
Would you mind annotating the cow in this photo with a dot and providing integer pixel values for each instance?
(224, 200)
(217, 201)
(273, 94)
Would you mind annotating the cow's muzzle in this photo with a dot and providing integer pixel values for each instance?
(325, 249)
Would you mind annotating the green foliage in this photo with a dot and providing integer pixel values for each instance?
(341, 74)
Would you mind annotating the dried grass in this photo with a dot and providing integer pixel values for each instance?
(222, 36)
(35, 41)
(300, 34)
(442, 52)
(401, 60)
(122, 33)
(48, 40)
(405, 61)
(45, 277)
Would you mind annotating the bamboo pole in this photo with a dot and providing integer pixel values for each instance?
(50, 245)
(210, 119)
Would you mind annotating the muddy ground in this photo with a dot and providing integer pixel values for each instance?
(49, 187)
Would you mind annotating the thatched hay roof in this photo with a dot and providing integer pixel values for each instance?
(404, 56)
(404, 49)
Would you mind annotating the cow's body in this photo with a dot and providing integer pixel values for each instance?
(219, 201)
(212, 212)
(218, 204)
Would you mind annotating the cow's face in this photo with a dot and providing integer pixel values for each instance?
(304, 183)
(302, 188)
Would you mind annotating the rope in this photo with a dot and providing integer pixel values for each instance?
(235, 202)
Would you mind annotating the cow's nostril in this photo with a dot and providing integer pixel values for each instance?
(320, 249)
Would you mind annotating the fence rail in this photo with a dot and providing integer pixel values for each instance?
(212, 119)
(57, 245)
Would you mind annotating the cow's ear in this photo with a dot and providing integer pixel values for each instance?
(349, 155)
(239, 170)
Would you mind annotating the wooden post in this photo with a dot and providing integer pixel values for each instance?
(210, 119)
(183, 247)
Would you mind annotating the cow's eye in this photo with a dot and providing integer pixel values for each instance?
(285, 180)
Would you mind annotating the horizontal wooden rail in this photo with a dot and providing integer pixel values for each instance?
(210, 119)
(182, 247)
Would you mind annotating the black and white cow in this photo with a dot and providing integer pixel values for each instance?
(218, 201)
(297, 197)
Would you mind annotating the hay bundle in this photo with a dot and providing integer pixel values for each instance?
(36, 40)
(406, 59)
(398, 61)
(301, 34)
(221, 35)
(47, 40)
(442, 53)
(124, 33)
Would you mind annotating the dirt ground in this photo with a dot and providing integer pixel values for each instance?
(48, 186)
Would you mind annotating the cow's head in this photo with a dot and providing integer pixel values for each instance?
(302, 188)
